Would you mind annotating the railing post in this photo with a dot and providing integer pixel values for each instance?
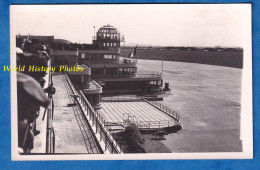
(112, 148)
(101, 135)
(105, 142)
(96, 126)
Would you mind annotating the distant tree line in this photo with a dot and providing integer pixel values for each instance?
(171, 48)
(71, 46)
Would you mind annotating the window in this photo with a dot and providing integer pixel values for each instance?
(83, 55)
(108, 56)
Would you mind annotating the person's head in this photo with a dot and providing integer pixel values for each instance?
(36, 46)
(35, 41)
(20, 42)
(33, 61)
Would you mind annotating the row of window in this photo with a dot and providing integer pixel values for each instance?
(109, 36)
(159, 83)
(109, 44)
(128, 69)
(99, 57)
(111, 71)
(110, 56)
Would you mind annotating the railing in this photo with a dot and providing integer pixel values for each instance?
(148, 75)
(50, 135)
(148, 124)
(128, 75)
(97, 120)
(155, 124)
(165, 109)
(113, 75)
(120, 98)
(150, 72)
(96, 84)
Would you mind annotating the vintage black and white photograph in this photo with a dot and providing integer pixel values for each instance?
(131, 81)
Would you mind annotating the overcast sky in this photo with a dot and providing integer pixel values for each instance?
(178, 25)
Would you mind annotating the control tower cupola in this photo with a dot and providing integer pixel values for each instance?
(108, 32)
(107, 37)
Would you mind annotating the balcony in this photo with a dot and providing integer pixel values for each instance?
(129, 77)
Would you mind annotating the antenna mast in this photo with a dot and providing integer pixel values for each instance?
(94, 33)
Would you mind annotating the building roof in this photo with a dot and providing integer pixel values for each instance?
(108, 29)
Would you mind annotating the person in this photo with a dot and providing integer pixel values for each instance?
(30, 90)
(29, 93)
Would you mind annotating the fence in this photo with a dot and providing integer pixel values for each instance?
(165, 109)
(96, 119)
(50, 134)
(147, 124)
(146, 75)
(150, 125)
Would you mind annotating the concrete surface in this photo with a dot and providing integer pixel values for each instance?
(208, 99)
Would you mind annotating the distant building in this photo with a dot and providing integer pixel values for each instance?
(42, 39)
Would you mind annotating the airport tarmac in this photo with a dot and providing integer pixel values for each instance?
(208, 99)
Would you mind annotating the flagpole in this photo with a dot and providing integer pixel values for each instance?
(94, 33)
(162, 64)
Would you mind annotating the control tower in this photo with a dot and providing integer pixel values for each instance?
(108, 38)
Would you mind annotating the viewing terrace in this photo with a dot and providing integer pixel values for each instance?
(147, 115)
(64, 129)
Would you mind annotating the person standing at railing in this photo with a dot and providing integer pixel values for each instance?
(30, 93)
(30, 97)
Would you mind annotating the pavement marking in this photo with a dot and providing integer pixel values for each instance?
(209, 84)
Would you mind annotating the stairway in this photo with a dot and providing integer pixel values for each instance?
(139, 136)
(131, 122)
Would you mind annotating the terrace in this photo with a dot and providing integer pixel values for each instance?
(146, 115)
(64, 129)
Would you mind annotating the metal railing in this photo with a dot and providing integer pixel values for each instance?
(150, 72)
(148, 75)
(128, 75)
(50, 134)
(96, 84)
(148, 124)
(96, 120)
(120, 98)
(165, 109)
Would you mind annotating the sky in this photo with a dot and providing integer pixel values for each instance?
(164, 24)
